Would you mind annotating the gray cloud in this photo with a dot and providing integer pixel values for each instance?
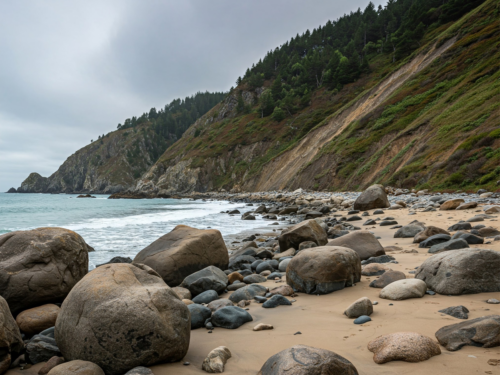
(73, 70)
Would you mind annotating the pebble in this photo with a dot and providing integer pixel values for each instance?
(297, 333)
(186, 363)
(493, 301)
(362, 319)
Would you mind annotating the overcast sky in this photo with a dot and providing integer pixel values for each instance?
(71, 70)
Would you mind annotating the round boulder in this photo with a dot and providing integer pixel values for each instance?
(121, 316)
(308, 230)
(37, 319)
(209, 278)
(404, 289)
(230, 317)
(362, 242)
(371, 198)
(303, 360)
(77, 367)
(387, 278)
(464, 271)
(323, 269)
(40, 266)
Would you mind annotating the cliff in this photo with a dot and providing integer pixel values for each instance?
(430, 120)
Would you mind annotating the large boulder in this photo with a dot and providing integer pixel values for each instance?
(362, 242)
(371, 198)
(199, 314)
(184, 251)
(306, 360)
(323, 269)
(308, 230)
(37, 319)
(483, 331)
(77, 367)
(404, 289)
(11, 342)
(210, 278)
(451, 204)
(121, 316)
(40, 266)
(230, 317)
(465, 271)
(403, 346)
(409, 231)
(428, 232)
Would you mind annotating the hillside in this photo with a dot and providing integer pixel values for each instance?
(115, 162)
(421, 111)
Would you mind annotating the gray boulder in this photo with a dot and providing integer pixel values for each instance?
(362, 242)
(210, 278)
(308, 230)
(275, 301)
(360, 307)
(284, 264)
(199, 314)
(254, 279)
(455, 244)
(409, 231)
(206, 297)
(10, 337)
(459, 312)
(40, 266)
(248, 293)
(41, 348)
(77, 367)
(434, 240)
(387, 278)
(371, 198)
(121, 316)
(184, 251)
(483, 332)
(230, 317)
(464, 271)
(324, 269)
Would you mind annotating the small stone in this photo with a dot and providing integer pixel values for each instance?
(362, 319)
(493, 301)
(186, 363)
(297, 333)
(216, 360)
(361, 307)
(262, 327)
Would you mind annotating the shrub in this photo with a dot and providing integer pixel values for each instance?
(278, 114)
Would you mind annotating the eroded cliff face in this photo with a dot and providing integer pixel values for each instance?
(111, 164)
(431, 121)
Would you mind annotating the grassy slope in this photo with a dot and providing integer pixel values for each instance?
(439, 130)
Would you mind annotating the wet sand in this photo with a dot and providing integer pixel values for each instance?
(322, 324)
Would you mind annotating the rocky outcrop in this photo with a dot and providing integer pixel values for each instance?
(184, 251)
(302, 359)
(40, 266)
(324, 269)
(34, 184)
(121, 316)
(11, 342)
(464, 271)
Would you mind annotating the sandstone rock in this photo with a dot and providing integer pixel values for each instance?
(403, 346)
(51, 363)
(216, 360)
(483, 332)
(230, 317)
(182, 293)
(184, 251)
(404, 289)
(40, 266)
(247, 293)
(323, 269)
(362, 242)
(464, 271)
(220, 303)
(308, 230)
(488, 232)
(121, 316)
(187, 302)
(11, 341)
(428, 232)
(209, 278)
(387, 278)
(452, 204)
(374, 269)
(77, 367)
(284, 290)
(466, 206)
(263, 327)
(492, 210)
(37, 319)
(288, 253)
(139, 370)
(306, 360)
(362, 306)
(371, 198)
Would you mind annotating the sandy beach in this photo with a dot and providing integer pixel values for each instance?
(321, 322)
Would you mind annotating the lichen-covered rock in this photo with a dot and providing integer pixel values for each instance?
(483, 332)
(373, 197)
(121, 316)
(403, 346)
(11, 342)
(40, 266)
(184, 251)
(362, 242)
(308, 230)
(306, 360)
(323, 269)
(464, 271)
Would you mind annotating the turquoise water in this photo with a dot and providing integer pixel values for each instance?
(117, 227)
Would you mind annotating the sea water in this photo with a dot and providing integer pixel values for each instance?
(117, 227)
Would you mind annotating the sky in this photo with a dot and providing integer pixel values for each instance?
(72, 70)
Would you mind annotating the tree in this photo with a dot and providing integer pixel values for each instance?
(266, 103)
(278, 114)
(276, 88)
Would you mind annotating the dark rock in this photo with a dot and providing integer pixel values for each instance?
(260, 299)
(471, 239)
(42, 348)
(313, 215)
(306, 360)
(460, 226)
(385, 223)
(264, 253)
(362, 319)
(236, 286)
(265, 266)
(117, 260)
(409, 231)
(456, 244)
(140, 370)
(323, 269)
(428, 232)
(12, 190)
(256, 263)
(237, 262)
(370, 222)
(254, 279)
(206, 297)
(40, 266)
(483, 332)
(199, 314)
(184, 251)
(459, 312)
(459, 272)
(387, 278)
(307, 245)
(275, 301)
(274, 275)
(379, 259)
(354, 218)
(210, 278)
(248, 293)
(378, 212)
(10, 337)
(434, 240)
(230, 317)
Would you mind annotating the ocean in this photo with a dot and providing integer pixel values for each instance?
(118, 227)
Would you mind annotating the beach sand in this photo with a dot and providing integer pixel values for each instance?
(322, 324)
